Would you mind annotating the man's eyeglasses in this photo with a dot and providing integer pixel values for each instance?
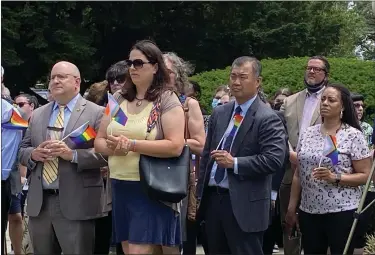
(21, 104)
(119, 78)
(61, 77)
(137, 63)
(315, 69)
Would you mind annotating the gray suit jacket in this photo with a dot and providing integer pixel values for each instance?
(260, 148)
(81, 185)
(292, 109)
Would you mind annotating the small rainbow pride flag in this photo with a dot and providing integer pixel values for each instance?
(114, 110)
(237, 122)
(330, 149)
(15, 122)
(112, 106)
(82, 134)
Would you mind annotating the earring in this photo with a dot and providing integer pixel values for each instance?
(341, 114)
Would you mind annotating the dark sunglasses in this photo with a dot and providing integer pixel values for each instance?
(21, 104)
(357, 105)
(119, 78)
(137, 63)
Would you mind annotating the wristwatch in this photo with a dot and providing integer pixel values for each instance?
(338, 178)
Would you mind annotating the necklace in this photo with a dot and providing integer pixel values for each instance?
(139, 101)
(324, 130)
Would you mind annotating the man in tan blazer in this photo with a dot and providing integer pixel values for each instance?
(66, 188)
(300, 111)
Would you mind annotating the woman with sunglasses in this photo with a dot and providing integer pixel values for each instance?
(179, 70)
(327, 187)
(142, 224)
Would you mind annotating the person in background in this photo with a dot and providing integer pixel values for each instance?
(27, 104)
(97, 93)
(279, 97)
(224, 99)
(365, 218)
(220, 91)
(359, 104)
(194, 90)
(10, 140)
(300, 111)
(116, 76)
(326, 184)
(178, 73)
(273, 234)
(5, 93)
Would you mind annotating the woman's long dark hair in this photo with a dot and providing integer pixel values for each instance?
(349, 114)
(161, 78)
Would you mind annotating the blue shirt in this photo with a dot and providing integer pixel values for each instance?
(224, 183)
(10, 141)
(67, 113)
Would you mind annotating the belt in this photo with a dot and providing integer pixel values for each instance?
(51, 191)
(217, 190)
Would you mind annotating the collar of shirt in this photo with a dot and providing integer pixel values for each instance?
(70, 105)
(308, 94)
(245, 106)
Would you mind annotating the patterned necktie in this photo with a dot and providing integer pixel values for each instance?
(50, 167)
(220, 172)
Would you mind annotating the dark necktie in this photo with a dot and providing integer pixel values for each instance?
(220, 172)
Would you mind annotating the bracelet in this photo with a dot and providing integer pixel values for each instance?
(132, 147)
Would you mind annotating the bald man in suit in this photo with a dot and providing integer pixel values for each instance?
(66, 188)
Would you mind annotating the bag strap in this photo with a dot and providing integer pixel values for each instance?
(186, 110)
(155, 114)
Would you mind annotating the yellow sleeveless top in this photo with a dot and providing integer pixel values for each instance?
(126, 168)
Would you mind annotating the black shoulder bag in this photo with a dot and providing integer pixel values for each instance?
(164, 179)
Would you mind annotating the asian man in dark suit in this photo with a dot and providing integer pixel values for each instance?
(245, 145)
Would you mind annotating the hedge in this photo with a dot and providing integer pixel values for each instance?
(357, 75)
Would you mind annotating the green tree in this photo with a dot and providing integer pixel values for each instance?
(94, 35)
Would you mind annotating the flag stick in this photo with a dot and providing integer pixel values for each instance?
(74, 131)
(324, 144)
(320, 162)
(359, 209)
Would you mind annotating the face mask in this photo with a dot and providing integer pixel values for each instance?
(214, 103)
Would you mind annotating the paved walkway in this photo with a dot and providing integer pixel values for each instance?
(199, 248)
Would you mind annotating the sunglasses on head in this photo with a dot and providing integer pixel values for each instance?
(137, 63)
(119, 78)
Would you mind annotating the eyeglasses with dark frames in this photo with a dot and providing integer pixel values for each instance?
(315, 69)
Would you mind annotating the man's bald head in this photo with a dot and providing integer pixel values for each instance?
(70, 68)
(65, 82)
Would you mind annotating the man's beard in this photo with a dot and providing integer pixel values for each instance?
(317, 86)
